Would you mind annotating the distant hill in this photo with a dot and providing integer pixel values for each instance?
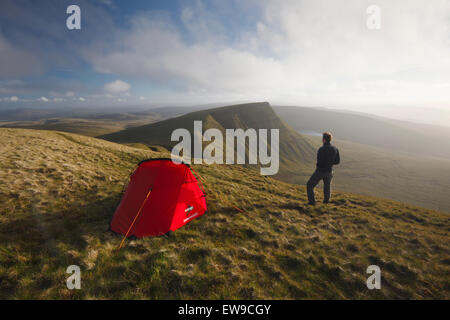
(401, 136)
(173, 111)
(297, 155)
(26, 114)
(86, 122)
(58, 192)
(92, 125)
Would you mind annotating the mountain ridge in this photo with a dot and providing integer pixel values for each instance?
(292, 145)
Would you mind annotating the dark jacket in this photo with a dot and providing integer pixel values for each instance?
(327, 156)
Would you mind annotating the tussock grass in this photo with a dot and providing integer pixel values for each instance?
(58, 192)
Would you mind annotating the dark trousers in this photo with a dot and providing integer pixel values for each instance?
(314, 180)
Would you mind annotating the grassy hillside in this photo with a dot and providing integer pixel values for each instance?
(399, 176)
(400, 136)
(58, 192)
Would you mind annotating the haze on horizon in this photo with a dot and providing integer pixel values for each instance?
(306, 53)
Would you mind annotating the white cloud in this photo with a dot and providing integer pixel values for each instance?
(316, 51)
(10, 99)
(117, 87)
(81, 99)
(43, 99)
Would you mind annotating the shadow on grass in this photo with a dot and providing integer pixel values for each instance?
(35, 240)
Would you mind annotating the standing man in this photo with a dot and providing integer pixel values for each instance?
(327, 156)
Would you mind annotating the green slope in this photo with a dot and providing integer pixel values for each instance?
(296, 153)
(55, 207)
(399, 136)
(382, 157)
(399, 176)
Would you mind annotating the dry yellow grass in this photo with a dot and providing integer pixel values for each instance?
(58, 192)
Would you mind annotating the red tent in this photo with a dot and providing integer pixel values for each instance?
(162, 196)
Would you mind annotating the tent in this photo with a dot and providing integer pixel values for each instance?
(162, 196)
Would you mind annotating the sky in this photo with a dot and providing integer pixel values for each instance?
(291, 52)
